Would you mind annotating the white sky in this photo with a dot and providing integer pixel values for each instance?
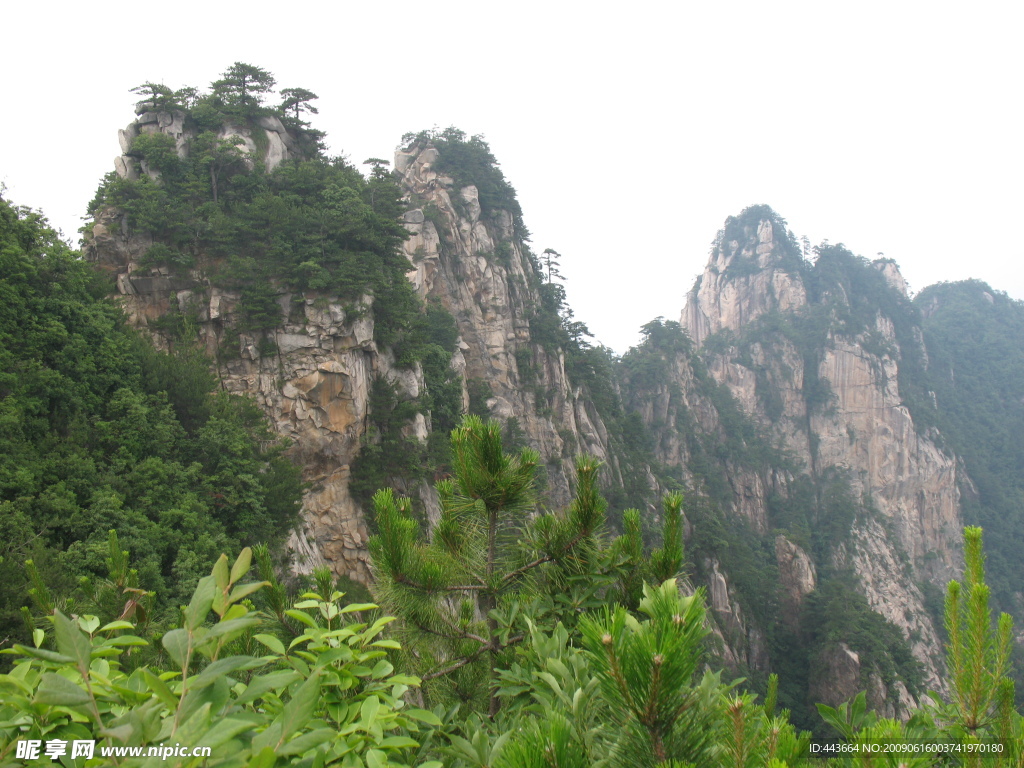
(631, 131)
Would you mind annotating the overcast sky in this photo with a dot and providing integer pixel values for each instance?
(630, 131)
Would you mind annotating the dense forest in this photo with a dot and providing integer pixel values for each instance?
(148, 595)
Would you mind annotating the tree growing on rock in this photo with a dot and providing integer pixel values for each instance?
(243, 87)
(157, 95)
(298, 100)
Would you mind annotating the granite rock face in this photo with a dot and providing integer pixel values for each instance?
(864, 432)
(315, 388)
(279, 144)
(315, 385)
(473, 261)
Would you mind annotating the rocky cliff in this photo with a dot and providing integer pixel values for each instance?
(476, 263)
(313, 372)
(313, 380)
(814, 356)
(784, 413)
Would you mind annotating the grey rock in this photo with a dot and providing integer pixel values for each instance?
(158, 284)
(290, 342)
(270, 123)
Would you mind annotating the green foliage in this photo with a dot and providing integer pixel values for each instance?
(976, 374)
(469, 161)
(243, 87)
(102, 432)
(298, 99)
(386, 454)
(331, 697)
(311, 225)
(743, 230)
(978, 657)
(485, 553)
(157, 96)
(838, 612)
(977, 723)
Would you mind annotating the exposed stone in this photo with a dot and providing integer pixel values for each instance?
(492, 302)
(841, 679)
(290, 342)
(865, 434)
(798, 577)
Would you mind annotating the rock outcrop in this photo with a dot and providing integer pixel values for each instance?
(838, 412)
(267, 130)
(311, 375)
(474, 261)
(834, 411)
(314, 379)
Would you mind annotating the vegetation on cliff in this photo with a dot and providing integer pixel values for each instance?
(976, 372)
(101, 431)
(310, 224)
(613, 682)
(544, 620)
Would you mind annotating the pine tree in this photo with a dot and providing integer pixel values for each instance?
(981, 705)
(298, 100)
(243, 87)
(488, 553)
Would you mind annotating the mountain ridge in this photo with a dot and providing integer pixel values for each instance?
(782, 414)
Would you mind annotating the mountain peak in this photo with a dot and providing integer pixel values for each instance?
(754, 268)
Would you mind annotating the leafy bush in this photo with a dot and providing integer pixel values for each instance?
(330, 697)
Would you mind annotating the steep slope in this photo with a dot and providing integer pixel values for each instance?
(337, 359)
(975, 341)
(307, 355)
(470, 254)
(822, 357)
(364, 315)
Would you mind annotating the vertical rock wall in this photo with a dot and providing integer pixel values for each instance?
(473, 261)
(864, 432)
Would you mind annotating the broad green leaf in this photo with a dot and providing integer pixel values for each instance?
(223, 667)
(89, 624)
(241, 566)
(386, 644)
(119, 624)
(300, 709)
(272, 643)
(42, 653)
(224, 730)
(71, 641)
(202, 600)
(335, 654)
(376, 759)
(229, 628)
(221, 573)
(58, 691)
(159, 687)
(265, 758)
(378, 626)
(404, 680)
(306, 741)
(301, 616)
(273, 681)
(244, 590)
(176, 643)
(16, 683)
(423, 715)
(398, 742)
(125, 640)
(368, 711)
